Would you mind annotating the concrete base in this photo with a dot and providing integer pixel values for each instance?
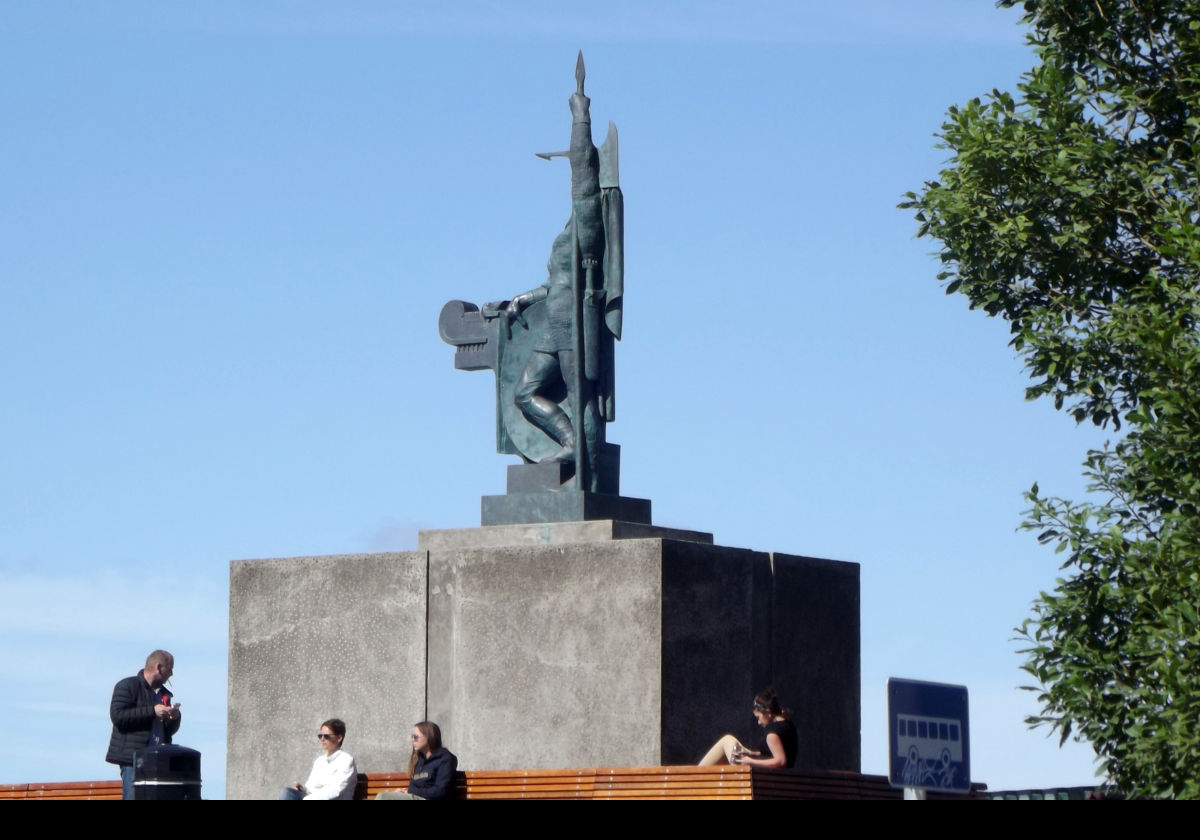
(542, 651)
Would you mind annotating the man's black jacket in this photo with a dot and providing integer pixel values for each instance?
(132, 713)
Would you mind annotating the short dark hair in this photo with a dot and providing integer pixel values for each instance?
(159, 657)
(336, 726)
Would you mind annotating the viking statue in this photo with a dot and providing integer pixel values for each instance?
(552, 346)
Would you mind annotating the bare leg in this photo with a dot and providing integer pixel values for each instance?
(721, 752)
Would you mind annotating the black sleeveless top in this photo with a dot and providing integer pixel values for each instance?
(787, 734)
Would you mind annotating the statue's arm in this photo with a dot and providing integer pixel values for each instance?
(526, 299)
(585, 183)
(585, 161)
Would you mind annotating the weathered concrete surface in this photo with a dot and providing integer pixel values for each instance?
(815, 645)
(552, 650)
(312, 638)
(547, 656)
(638, 651)
(736, 621)
(716, 632)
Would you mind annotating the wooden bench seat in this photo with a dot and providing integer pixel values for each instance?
(108, 789)
(682, 782)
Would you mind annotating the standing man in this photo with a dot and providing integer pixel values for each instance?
(142, 715)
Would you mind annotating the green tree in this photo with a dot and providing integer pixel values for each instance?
(1070, 210)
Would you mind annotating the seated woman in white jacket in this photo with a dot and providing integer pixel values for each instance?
(333, 775)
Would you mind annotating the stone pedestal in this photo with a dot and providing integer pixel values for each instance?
(548, 493)
(546, 645)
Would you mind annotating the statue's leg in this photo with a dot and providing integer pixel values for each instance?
(593, 432)
(543, 412)
(593, 428)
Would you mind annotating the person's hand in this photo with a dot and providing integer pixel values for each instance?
(162, 712)
(174, 712)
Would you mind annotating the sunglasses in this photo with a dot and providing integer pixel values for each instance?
(325, 736)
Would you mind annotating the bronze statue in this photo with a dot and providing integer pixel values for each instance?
(552, 346)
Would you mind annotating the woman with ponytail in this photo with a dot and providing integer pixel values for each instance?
(778, 748)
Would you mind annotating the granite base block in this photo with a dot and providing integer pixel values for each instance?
(552, 533)
(564, 505)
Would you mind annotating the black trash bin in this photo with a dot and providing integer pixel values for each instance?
(166, 772)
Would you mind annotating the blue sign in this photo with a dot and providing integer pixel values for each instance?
(927, 736)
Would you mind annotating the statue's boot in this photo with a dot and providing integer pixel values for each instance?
(562, 431)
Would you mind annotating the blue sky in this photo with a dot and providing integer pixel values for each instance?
(226, 231)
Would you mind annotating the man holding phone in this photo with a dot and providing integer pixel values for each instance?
(142, 715)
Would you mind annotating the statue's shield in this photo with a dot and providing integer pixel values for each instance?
(515, 435)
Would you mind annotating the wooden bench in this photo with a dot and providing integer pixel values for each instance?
(682, 782)
(836, 784)
(526, 784)
(63, 790)
(585, 783)
(370, 784)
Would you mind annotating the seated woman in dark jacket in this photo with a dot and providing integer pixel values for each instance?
(431, 769)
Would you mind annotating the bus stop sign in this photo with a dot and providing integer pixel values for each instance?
(927, 736)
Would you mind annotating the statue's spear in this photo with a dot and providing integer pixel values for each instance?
(581, 453)
(580, 375)
(580, 75)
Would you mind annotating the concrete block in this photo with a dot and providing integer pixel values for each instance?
(312, 638)
(716, 632)
(547, 656)
(815, 644)
(737, 621)
(554, 645)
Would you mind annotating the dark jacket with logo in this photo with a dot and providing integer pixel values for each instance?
(433, 777)
(132, 713)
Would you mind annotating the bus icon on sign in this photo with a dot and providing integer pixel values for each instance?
(928, 728)
(928, 738)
